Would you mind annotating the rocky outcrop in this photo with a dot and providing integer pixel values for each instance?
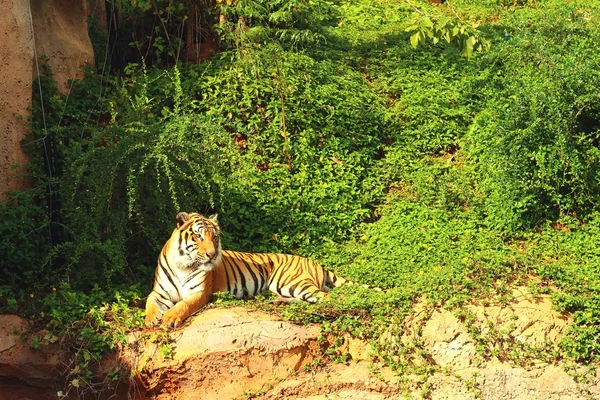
(222, 353)
(61, 34)
(235, 354)
(58, 28)
(527, 323)
(477, 352)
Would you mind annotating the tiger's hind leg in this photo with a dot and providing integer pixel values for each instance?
(309, 293)
(283, 300)
(314, 297)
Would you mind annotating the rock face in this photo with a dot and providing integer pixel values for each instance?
(58, 28)
(61, 34)
(16, 69)
(526, 323)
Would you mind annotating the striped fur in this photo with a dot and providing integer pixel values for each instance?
(191, 266)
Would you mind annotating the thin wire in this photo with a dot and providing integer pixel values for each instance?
(37, 67)
(102, 75)
(74, 75)
(24, 144)
(46, 153)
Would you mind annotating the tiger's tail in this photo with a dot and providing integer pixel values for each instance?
(331, 279)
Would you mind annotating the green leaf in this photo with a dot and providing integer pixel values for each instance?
(469, 47)
(448, 36)
(414, 40)
(441, 23)
(426, 22)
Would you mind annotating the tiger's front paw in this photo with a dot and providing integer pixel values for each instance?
(173, 317)
(153, 315)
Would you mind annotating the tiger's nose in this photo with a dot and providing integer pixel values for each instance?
(211, 254)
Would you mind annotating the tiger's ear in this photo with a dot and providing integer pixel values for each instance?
(181, 218)
(213, 218)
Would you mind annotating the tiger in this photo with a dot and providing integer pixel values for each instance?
(192, 266)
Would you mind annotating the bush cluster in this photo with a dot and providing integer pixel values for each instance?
(536, 140)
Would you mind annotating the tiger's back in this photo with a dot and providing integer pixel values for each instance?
(290, 277)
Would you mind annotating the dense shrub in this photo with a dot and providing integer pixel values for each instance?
(295, 24)
(24, 238)
(281, 145)
(536, 143)
(124, 184)
(308, 132)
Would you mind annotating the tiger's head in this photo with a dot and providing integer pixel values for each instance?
(195, 243)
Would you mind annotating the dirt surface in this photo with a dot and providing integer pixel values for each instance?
(237, 353)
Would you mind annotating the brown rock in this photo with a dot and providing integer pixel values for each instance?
(236, 354)
(338, 381)
(224, 353)
(16, 68)
(502, 382)
(448, 341)
(61, 34)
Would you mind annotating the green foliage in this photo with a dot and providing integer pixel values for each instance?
(428, 239)
(102, 329)
(431, 107)
(293, 23)
(119, 173)
(536, 141)
(302, 159)
(150, 159)
(567, 256)
(163, 340)
(320, 130)
(452, 29)
(152, 30)
(427, 92)
(24, 238)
